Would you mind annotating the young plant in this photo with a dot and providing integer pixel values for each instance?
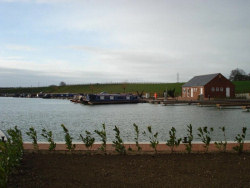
(130, 149)
(11, 153)
(88, 140)
(173, 141)
(190, 138)
(137, 137)
(14, 147)
(153, 138)
(3, 165)
(240, 138)
(103, 136)
(222, 145)
(68, 139)
(118, 142)
(205, 136)
(49, 136)
(33, 135)
(16, 140)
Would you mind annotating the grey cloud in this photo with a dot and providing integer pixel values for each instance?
(21, 77)
(153, 40)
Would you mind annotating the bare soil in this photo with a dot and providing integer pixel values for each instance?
(163, 170)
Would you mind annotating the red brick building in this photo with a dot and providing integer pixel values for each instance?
(208, 86)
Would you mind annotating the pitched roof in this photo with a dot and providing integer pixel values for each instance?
(200, 80)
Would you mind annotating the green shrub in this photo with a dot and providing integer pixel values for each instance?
(153, 138)
(11, 153)
(68, 139)
(137, 137)
(173, 141)
(118, 142)
(103, 136)
(16, 140)
(205, 136)
(222, 145)
(240, 138)
(4, 164)
(190, 138)
(33, 135)
(49, 136)
(88, 140)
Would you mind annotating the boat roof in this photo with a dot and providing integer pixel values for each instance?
(113, 94)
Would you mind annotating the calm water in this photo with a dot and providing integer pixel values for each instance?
(50, 113)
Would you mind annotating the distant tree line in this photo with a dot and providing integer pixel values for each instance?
(62, 84)
(239, 75)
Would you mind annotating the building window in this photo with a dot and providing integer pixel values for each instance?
(217, 89)
(221, 89)
(212, 89)
(195, 89)
(184, 90)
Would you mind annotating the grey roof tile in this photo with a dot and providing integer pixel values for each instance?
(200, 80)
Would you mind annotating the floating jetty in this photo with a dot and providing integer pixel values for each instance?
(246, 107)
(244, 104)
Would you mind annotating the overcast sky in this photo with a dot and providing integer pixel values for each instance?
(43, 42)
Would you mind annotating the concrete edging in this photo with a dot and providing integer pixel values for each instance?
(146, 148)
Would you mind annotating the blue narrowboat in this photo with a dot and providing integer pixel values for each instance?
(105, 98)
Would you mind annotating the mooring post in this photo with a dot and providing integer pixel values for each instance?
(185, 140)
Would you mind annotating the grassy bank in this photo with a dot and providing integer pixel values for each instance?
(97, 88)
(240, 87)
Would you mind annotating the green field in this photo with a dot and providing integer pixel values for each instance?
(97, 88)
(241, 87)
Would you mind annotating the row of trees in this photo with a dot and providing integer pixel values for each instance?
(204, 134)
(239, 75)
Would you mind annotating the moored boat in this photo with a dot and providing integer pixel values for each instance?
(105, 98)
